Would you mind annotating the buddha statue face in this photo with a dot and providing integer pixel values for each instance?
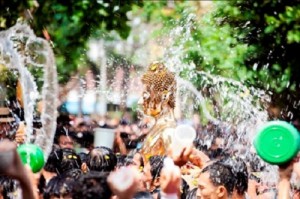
(159, 90)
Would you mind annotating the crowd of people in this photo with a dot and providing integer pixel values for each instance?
(143, 161)
(77, 169)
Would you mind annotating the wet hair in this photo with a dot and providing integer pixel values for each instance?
(124, 160)
(92, 185)
(142, 161)
(53, 161)
(143, 195)
(8, 186)
(192, 194)
(63, 120)
(239, 169)
(85, 139)
(73, 173)
(216, 153)
(102, 159)
(58, 186)
(255, 163)
(41, 184)
(156, 163)
(184, 189)
(63, 131)
(83, 157)
(221, 175)
(69, 160)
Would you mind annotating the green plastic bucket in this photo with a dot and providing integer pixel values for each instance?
(277, 142)
(32, 155)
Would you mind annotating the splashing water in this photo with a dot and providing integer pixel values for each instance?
(12, 55)
(233, 108)
(20, 49)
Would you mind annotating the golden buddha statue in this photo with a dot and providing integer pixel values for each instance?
(158, 101)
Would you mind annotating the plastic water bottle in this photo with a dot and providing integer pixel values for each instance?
(277, 142)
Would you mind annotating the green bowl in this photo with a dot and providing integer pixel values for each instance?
(277, 142)
(32, 155)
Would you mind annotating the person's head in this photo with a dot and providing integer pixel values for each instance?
(216, 181)
(64, 138)
(255, 163)
(138, 161)
(124, 160)
(83, 157)
(92, 185)
(82, 126)
(8, 124)
(6, 130)
(73, 173)
(63, 121)
(184, 189)
(69, 160)
(53, 161)
(239, 169)
(85, 139)
(58, 187)
(102, 159)
(152, 171)
(7, 187)
(192, 194)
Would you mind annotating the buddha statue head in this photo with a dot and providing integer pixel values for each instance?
(159, 90)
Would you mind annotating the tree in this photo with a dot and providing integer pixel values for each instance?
(252, 42)
(69, 24)
(271, 31)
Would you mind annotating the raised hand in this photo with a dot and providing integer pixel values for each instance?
(170, 178)
(21, 133)
(12, 166)
(125, 182)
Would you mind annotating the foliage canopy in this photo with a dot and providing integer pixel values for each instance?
(69, 24)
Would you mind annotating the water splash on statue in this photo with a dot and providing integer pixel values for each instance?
(232, 110)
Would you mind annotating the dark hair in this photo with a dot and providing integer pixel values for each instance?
(63, 131)
(8, 186)
(239, 169)
(41, 184)
(69, 161)
(192, 194)
(124, 160)
(255, 163)
(143, 195)
(92, 185)
(58, 186)
(124, 122)
(85, 139)
(82, 124)
(184, 189)
(221, 174)
(73, 173)
(63, 120)
(83, 157)
(156, 163)
(142, 161)
(102, 159)
(53, 161)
